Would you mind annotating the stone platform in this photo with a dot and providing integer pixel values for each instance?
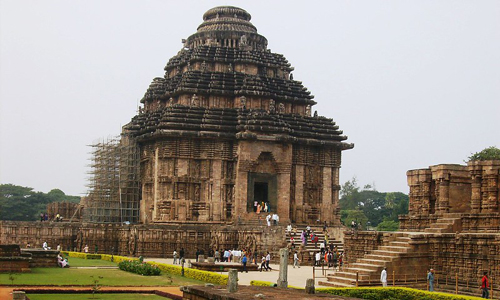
(11, 260)
(222, 267)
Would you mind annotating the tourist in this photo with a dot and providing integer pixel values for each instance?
(322, 247)
(62, 262)
(266, 207)
(197, 253)
(335, 255)
(217, 255)
(41, 217)
(303, 238)
(96, 249)
(289, 229)
(255, 204)
(244, 262)
(430, 278)
(485, 285)
(383, 277)
(268, 260)
(86, 248)
(341, 261)
(268, 220)
(45, 246)
(259, 208)
(275, 219)
(263, 264)
(57, 218)
(58, 248)
(292, 243)
(296, 260)
(317, 259)
(325, 227)
(175, 255)
(226, 255)
(308, 229)
(181, 254)
(28, 245)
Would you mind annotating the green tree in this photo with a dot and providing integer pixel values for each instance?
(356, 215)
(18, 203)
(388, 226)
(374, 205)
(490, 153)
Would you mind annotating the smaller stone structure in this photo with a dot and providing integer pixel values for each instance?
(11, 260)
(41, 258)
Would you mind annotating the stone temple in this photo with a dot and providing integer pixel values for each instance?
(225, 127)
(228, 125)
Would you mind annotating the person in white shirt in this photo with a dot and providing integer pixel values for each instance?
(176, 256)
(383, 277)
(45, 246)
(268, 220)
(318, 259)
(296, 260)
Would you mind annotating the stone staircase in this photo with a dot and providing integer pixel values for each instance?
(447, 224)
(368, 268)
(311, 247)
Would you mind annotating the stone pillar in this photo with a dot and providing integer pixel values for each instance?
(444, 196)
(283, 276)
(310, 286)
(201, 258)
(18, 295)
(232, 282)
(475, 203)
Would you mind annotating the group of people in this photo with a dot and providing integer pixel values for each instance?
(274, 218)
(259, 207)
(178, 256)
(485, 284)
(44, 217)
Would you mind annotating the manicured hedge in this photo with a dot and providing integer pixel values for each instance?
(261, 283)
(81, 255)
(135, 266)
(205, 276)
(388, 293)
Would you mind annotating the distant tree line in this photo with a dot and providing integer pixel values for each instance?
(371, 208)
(19, 203)
(490, 153)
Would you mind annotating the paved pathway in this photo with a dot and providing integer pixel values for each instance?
(296, 277)
(6, 292)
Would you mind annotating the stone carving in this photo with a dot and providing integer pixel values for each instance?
(243, 102)
(203, 66)
(194, 100)
(272, 108)
(243, 40)
(132, 241)
(281, 108)
(230, 67)
(308, 110)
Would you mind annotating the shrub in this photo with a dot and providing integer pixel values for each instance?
(81, 255)
(380, 293)
(205, 276)
(135, 266)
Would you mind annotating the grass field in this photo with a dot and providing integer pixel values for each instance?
(97, 296)
(83, 277)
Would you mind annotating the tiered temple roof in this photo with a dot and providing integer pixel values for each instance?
(226, 83)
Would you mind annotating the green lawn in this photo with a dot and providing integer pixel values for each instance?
(110, 277)
(81, 262)
(97, 296)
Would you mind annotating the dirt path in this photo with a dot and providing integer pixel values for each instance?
(6, 291)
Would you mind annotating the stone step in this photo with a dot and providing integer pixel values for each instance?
(399, 244)
(372, 267)
(385, 253)
(335, 284)
(393, 248)
(440, 225)
(348, 275)
(447, 220)
(433, 230)
(374, 261)
(386, 258)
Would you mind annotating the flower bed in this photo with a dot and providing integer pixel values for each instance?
(399, 293)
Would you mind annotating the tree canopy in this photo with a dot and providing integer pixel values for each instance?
(366, 204)
(19, 203)
(490, 153)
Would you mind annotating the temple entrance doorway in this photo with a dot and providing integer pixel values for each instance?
(263, 189)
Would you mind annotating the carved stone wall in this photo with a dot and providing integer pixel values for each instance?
(146, 240)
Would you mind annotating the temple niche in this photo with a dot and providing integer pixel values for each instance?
(227, 125)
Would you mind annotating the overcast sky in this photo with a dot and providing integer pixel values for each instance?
(411, 83)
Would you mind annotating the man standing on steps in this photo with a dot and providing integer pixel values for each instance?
(383, 277)
(296, 260)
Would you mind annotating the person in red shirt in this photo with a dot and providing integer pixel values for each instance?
(485, 285)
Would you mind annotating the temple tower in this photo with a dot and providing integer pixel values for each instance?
(227, 126)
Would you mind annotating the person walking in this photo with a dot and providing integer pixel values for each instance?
(485, 285)
(181, 253)
(176, 257)
(430, 278)
(383, 277)
(244, 262)
(263, 264)
(268, 260)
